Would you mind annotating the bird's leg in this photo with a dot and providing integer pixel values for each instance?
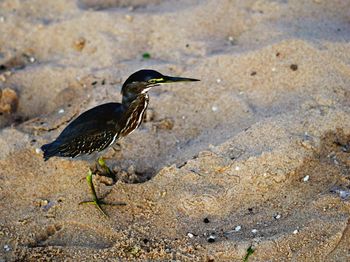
(95, 200)
(103, 165)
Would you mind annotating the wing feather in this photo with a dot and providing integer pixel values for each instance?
(94, 130)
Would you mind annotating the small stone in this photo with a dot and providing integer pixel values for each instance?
(238, 228)
(79, 44)
(273, 69)
(278, 216)
(254, 231)
(306, 178)
(206, 220)
(2, 19)
(7, 248)
(41, 202)
(8, 101)
(231, 40)
(61, 111)
(237, 168)
(218, 80)
(190, 235)
(296, 231)
(211, 239)
(214, 108)
(294, 67)
(38, 151)
(31, 59)
(2, 78)
(344, 194)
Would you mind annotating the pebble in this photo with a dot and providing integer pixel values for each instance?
(278, 216)
(343, 193)
(206, 220)
(306, 178)
(238, 228)
(273, 69)
(237, 168)
(214, 108)
(190, 235)
(37, 150)
(2, 19)
(296, 231)
(211, 239)
(254, 231)
(61, 111)
(8, 101)
(32, 59)
(294, 67)
(7, 248)
(218, 80)
(231, 40)
(79, 44)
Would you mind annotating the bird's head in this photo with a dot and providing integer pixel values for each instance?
(142, 81)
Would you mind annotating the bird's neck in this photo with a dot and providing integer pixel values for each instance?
(129, 97)
(134, 114)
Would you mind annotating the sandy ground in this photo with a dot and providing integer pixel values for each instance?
(253, 157)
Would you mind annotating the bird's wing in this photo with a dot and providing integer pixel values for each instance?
(94, 121)
(93, 130)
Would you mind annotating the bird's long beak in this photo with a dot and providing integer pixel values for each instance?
(171, 79)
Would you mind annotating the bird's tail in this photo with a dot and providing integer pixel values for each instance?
(50, 150)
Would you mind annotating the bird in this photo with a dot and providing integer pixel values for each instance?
(99, 127)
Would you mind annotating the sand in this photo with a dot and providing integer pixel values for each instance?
(253, 157)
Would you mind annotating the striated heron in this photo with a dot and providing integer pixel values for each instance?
(99, 127)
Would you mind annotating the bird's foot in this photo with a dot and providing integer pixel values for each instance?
(95, 201)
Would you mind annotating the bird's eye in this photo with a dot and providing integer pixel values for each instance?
(155, 80)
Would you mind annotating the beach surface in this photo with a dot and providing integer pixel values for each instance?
(252, 161)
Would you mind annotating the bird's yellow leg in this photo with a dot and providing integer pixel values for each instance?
(103, 165)
(95, 201)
